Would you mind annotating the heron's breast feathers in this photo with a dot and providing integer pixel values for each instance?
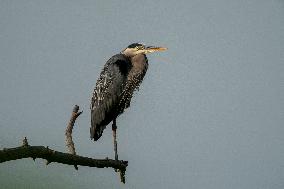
(132, 84)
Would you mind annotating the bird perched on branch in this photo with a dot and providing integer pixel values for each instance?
(120, 77)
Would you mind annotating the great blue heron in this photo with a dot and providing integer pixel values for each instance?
(120, 77)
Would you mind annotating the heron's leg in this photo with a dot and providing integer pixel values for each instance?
(114, 127)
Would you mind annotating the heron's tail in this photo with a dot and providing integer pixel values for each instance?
(96, 131)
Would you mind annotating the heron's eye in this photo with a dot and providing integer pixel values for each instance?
(139, 48)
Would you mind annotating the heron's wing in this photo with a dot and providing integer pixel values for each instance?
(106, 95)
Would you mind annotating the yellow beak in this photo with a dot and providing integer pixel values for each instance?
(152, 49)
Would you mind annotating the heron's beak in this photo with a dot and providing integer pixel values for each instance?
(151, 49)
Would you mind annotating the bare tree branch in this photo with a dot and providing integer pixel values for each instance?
(68, 133)
(26, 151)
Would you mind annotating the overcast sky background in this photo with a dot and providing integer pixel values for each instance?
(209, 113)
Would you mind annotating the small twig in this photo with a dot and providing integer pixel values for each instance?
(25, 142)
(68, 133)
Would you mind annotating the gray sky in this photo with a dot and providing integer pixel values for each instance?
(209, 113)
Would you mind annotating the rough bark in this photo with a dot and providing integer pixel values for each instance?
(26, 151)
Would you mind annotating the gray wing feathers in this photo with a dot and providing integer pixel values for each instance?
(106, 96)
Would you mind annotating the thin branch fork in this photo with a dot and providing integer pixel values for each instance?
(68, 133)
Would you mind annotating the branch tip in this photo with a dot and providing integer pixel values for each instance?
(76, 108)
(25, 142)
(76, 167)
(122, 176)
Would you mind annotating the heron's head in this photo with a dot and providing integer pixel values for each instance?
(137, 48)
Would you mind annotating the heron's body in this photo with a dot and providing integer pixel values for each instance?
(118, 80)
(120, 77)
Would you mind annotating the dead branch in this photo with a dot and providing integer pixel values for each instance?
(68, 133)
(26, 151)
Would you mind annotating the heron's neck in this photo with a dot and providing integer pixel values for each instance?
(139, 61)
(127, 52)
